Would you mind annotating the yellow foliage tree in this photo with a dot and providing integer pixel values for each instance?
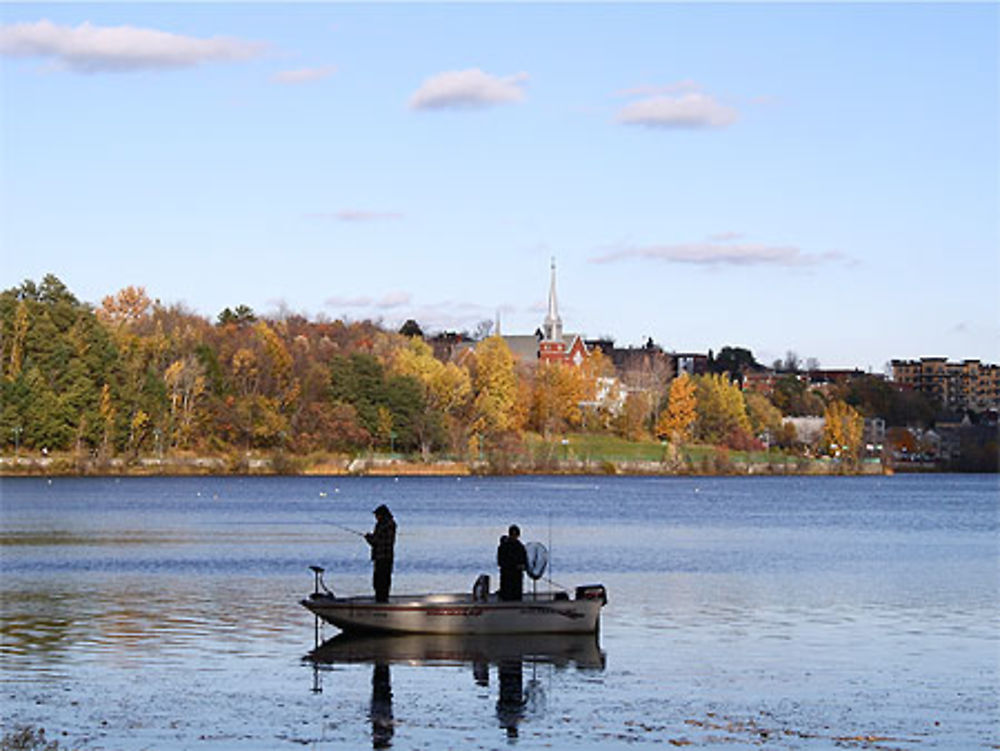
(185, 380)
(674, 423)
(383, 426)
(843, 430)
(278, 367)
(722, 414)
(137, 430)
(555, 403)
(18, 343)
(107, 412)
(631, 422)
(764, 416)
(495, 387)
(447, 388)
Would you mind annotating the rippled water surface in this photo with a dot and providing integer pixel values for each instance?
(777, 612)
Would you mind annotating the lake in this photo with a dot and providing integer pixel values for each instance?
(787, 612)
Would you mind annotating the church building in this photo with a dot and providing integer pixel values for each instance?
(547, 344)
(553, 344)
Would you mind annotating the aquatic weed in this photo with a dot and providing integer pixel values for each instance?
(27, 738)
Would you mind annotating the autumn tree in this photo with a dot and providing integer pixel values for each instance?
(676, 421)
(558, 389)
(843, 431)
(631, 422)
(793, 397)
(446, 390)
(126, 307)
(185, 380)
(765, 418)
(495, 390)
(722, 416)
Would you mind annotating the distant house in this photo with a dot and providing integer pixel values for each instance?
(761, 382)
(692, 363)
(808, 430)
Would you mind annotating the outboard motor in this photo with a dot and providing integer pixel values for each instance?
(592, 592)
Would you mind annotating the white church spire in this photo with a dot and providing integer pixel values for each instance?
(553, 323)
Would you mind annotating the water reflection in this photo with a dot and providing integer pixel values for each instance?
(381, 706)
(516, 696)
(510, 704)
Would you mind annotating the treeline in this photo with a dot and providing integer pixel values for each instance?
(133, 376)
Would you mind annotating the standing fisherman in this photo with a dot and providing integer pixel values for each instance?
(382, 540)
(512, 560)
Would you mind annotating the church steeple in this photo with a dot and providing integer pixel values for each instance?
(553, 323)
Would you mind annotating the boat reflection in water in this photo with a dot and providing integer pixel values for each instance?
(509, 653)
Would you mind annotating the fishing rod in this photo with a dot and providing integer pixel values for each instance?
(341, 526)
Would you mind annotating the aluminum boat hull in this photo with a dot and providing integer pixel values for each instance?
(548, 613)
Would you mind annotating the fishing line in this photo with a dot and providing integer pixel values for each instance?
(341, 526)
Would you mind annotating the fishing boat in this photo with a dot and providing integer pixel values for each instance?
(478, 611)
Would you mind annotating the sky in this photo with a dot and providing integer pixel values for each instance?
(821, 179)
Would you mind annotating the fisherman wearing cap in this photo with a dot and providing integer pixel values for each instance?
(382, 540)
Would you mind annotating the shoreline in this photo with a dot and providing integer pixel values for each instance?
(382, 466)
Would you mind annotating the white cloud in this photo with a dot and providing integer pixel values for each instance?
(304, 75)
(394, 308)
(388, 301)
(726, 237)
(647, 90)
(361, 215)
(721, 254)
(97, 49)
(337, 301)
(356, 215)
(467, 89)
(691, 110)
(394, 300)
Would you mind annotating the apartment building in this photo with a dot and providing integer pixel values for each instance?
(969, 384)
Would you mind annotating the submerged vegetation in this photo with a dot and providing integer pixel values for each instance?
(28, 738)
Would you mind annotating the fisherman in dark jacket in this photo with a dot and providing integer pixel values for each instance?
(382, 540)
(512, 560)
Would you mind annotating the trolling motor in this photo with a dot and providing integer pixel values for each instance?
(318, 574)
(317, 583)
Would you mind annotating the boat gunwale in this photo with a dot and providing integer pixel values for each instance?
(422, 602)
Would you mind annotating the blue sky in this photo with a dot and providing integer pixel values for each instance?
(816, 178)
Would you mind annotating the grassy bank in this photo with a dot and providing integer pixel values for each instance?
(579, 453)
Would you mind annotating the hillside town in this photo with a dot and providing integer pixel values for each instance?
(964, 396)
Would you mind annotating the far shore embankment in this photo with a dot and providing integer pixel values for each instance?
(376, 465)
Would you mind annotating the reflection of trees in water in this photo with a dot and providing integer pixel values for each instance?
(381, 706)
